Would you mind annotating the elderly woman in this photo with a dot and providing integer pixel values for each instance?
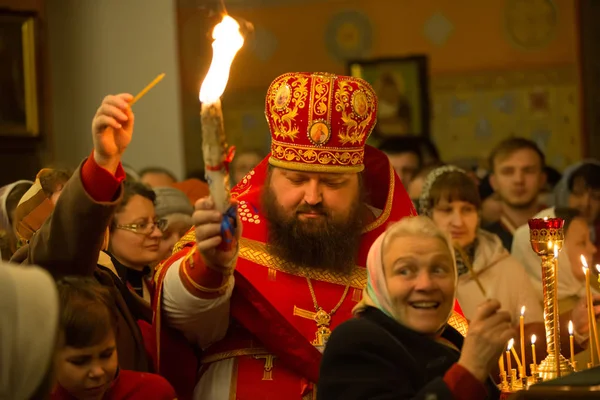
(400, 346)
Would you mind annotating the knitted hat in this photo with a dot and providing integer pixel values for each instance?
(171, 201)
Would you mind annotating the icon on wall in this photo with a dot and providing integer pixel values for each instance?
(402, 88)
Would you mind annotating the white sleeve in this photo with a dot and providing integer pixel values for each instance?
(202, 321)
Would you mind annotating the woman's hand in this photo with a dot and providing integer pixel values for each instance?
(489, 332)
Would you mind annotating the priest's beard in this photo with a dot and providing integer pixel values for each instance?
(323, 243)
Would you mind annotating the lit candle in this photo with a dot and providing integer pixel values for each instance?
(591, 317)
(516, 356)
(533, 339)
(508, 363)
(227, 41)
(571, 342)
(522, 327)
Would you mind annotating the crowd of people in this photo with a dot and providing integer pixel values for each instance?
(353, 273)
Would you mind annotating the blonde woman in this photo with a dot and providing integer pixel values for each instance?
(401, 346)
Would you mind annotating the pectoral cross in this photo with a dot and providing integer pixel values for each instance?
(268, 374)
(323, 320)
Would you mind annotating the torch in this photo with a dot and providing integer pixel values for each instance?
(217, 156)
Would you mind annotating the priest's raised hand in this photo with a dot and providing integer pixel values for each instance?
(112, 128)
(207, 222)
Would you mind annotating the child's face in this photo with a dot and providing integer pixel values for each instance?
(88, 372)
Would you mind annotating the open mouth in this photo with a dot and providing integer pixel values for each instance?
(425, 305)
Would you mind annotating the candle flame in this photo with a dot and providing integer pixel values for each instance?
(549, 244)
(555, 250)
(228, 40)
(545, 218)
(584, 262)
(522, 311)
(533, 339)
(571, 328)
(598, 268)
(511, 343)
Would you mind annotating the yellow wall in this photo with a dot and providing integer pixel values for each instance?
(479, 40)
(479, 43)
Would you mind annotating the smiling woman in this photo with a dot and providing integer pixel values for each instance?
(400, 345)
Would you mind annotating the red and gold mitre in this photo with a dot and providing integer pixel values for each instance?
(320, 122)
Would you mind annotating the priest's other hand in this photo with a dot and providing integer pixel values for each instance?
(112, 128)
(579, 316)
(489, 332)
(207, 222)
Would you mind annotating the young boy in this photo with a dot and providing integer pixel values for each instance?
(87, 364)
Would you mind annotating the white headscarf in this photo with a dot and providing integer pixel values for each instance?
(568, 284)
(28, 329)
(376, 293)
(560, 195)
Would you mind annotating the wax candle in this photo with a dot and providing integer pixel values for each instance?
(217, 157)
(591, 317)
(508, 363)
(571, 342)
(522, 331)
(533, 339)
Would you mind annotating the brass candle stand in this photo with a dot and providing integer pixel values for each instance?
(546, 236)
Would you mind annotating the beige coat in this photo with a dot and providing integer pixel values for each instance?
(502, 277)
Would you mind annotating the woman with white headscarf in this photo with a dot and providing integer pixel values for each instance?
(28, 331)
(400, 345)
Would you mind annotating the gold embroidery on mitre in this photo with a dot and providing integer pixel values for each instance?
(353, 131)
(315, 155)
(283, 116)
(256, 252)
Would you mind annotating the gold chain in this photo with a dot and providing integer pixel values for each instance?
(314, 297)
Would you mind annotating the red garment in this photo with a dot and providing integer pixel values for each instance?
(267, 290)
(463, 385)
(130, 385)
(98, 182)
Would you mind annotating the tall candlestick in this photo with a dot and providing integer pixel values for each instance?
(591, 316)
(547, 237)
(522, 331)
(533, 339)
(227, 41)
(571, 343)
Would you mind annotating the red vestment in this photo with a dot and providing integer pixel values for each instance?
(268, 290)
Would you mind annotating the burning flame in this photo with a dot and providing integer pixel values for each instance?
(571, 328)
(598, 268)
(555, 251)
(228, 40)
(533, 339)
(511, 343)
(522, 311)
(549, 244)
(585, 264)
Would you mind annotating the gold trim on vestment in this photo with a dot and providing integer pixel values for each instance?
(225, 355)
(459, 323)
(256, 252)
(388, 206)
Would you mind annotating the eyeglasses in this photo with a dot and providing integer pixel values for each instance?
(145, 228)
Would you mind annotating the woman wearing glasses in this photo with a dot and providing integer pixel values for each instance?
(134, 241)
